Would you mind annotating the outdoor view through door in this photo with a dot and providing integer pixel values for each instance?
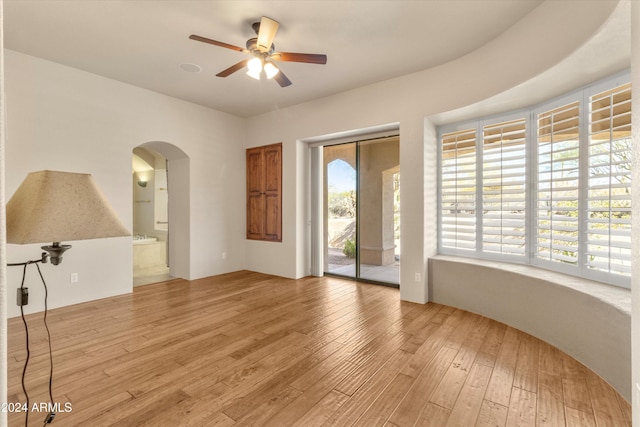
(362, 210)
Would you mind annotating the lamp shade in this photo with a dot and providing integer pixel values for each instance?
(51, 206)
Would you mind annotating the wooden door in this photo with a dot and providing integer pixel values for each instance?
(264, 193)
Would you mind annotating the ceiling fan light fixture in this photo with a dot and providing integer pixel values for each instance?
(254, 68)
(263, 54)
(270, 70)
(253, 73)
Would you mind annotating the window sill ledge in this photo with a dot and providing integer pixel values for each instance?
(615, 296)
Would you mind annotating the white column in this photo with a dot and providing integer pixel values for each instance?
(413, 177)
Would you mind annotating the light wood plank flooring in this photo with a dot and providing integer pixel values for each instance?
(246, 349)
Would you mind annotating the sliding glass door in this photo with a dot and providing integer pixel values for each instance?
(362, 210)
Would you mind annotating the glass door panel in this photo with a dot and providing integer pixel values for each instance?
(378, 201)
(340, 209)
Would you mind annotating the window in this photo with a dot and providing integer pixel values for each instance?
(609, 182)
(557, 189)
(504, 188)
(458, 190)
(550, 186)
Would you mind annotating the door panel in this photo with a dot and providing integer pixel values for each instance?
(272, 192)
(378, 160)
(273, 169)
(254, 171)
(340, 209)
(255, 217)
(273, 223)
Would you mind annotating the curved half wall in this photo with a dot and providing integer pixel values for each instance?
(587, 320)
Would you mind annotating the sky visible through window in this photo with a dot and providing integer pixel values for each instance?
(341, 176)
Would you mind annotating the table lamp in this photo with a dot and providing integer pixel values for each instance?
(51, 206)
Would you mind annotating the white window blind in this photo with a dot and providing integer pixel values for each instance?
(458, 190)
(608, 232)
(548, 186)
(504, 188)
(558, 184)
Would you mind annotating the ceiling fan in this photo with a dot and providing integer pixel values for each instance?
(263, 53)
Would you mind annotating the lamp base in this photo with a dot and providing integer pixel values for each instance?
(55, 252)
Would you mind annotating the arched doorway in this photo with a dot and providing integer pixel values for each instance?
(161, 212)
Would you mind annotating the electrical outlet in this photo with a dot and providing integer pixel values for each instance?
(224, 255)
(73, 278)
(417, 278)
(22, 297)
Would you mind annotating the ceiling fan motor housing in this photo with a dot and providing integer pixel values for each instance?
(254, 48)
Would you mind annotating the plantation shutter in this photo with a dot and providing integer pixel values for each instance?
(609, 182)
(504, 188)
(458, 190)
(556, 212)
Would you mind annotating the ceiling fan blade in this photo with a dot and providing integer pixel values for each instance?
(309, 58)
(216, 43)
(233, 68)
(267, 32)
(282, 80)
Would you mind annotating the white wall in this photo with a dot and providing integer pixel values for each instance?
(519, 54)
(61, 118)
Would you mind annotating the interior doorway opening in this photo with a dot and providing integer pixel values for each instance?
(150, 217)
(160, 181)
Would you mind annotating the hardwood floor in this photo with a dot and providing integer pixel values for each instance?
(246, 349)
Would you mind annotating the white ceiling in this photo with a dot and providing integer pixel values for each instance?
(605, 54)
(142, 42)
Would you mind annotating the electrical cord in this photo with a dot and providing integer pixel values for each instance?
(26, 361)
(50, 416)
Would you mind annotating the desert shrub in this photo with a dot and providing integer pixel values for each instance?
(349, 248)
